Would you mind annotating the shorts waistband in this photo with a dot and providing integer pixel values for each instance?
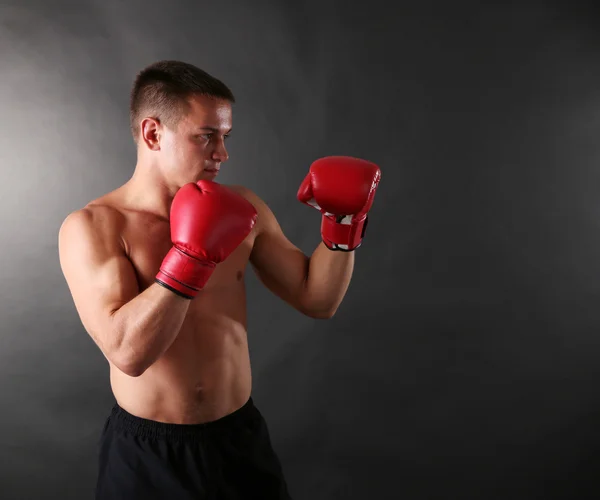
(142, 427)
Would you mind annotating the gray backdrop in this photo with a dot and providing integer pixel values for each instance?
(463, 363)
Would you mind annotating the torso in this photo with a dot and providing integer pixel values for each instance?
(205, 374)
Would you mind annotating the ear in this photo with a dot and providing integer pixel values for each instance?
(150, 133)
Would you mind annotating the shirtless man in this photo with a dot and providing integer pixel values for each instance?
(156, 270)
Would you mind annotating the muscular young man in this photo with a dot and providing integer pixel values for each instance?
(156, 270)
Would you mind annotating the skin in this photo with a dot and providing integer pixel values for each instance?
(171, 359)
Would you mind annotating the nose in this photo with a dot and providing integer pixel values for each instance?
(220, 152)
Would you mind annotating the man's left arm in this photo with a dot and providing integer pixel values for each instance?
(313, 285)
(342, 189)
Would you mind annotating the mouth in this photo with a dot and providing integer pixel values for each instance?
(211, 170)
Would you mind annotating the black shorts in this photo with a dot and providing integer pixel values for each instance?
(230, 458)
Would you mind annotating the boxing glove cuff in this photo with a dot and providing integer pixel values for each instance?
(184, 274)
(342, 235)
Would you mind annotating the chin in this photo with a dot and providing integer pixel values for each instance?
(209, 174)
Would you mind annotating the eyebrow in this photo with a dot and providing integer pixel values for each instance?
(213, 129)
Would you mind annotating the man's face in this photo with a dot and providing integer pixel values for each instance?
(195, 149)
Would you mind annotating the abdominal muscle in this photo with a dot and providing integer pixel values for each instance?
(205, 374)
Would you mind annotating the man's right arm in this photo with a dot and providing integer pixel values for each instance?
(132, 329)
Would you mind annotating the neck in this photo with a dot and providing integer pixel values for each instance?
(147, 190)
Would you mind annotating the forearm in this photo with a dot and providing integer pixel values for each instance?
(145, 328)
(329, 275)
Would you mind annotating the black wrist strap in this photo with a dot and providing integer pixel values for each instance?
(176, 292)
(338, 249)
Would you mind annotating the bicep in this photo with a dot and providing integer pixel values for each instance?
(98, 273)
(278, 263)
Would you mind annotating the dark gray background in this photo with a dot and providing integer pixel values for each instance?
(463, 363)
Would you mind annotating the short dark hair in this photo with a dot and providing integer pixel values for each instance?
(162, 90)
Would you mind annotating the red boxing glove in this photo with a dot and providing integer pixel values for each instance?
(342, 188)
(208, 221)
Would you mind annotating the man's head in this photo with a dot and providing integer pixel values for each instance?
(180, 118)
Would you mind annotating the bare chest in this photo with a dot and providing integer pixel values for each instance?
(148, 241)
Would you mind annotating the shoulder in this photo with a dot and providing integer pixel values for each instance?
(266, 218)
(251, 196)
(247, 193)
(102, 213)
(100, 220)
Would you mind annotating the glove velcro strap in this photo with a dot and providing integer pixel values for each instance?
(342, 235)
(184, 274)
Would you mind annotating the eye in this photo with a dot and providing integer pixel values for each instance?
(226, 136)
(208, 137)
